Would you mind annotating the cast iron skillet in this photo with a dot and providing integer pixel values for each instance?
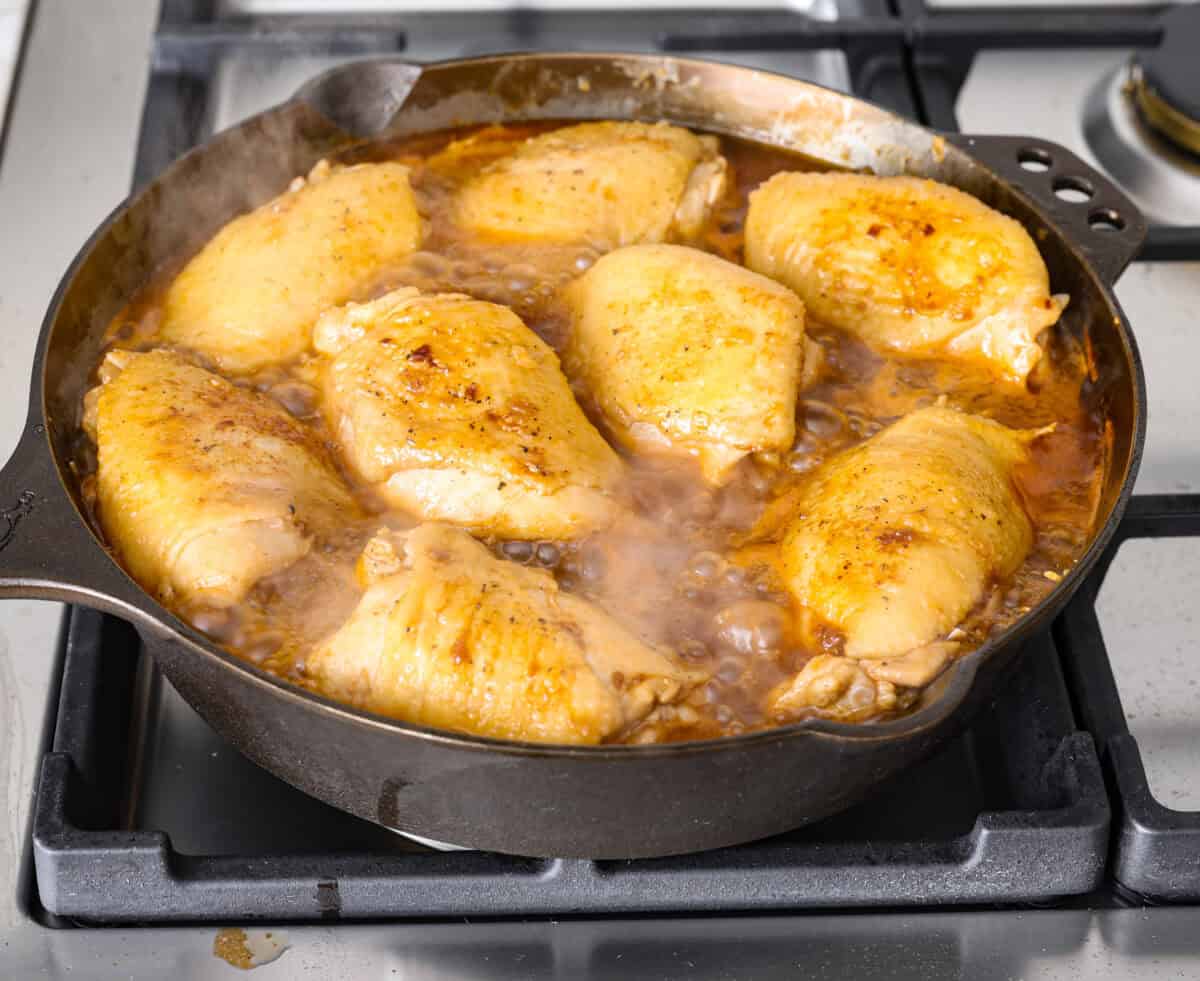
(594, 802)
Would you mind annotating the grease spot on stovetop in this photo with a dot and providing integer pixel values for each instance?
(247, 949)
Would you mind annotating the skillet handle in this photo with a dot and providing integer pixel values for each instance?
(1095, 213)
(46, 548)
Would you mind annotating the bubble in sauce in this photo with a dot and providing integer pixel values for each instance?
(729, 671)
(517, 551)
(298, 398)
(547, 554)
(751, 626)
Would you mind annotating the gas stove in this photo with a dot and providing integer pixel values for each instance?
(1058, 836)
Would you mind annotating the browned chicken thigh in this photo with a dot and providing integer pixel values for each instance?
(894, 541)
(607, 184)
(252, 294)
(456, 411)
(686, 354)
(204, 487)
(908, 265)
(449, 636)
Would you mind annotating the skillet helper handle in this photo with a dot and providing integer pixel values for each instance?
(1092, 210)
(46, 548)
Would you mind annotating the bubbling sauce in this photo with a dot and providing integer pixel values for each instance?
(674, 571)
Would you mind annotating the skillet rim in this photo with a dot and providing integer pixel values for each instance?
(157, 624)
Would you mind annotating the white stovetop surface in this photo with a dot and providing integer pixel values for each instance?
(448, 6)
(68, 159)
(303, 6)
(12, 22)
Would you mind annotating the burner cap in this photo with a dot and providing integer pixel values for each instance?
(1166, 80)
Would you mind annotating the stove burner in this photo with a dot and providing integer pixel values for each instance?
(1165, 81)
(1163, 179)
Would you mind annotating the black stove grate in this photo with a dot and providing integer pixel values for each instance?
(1156, 851)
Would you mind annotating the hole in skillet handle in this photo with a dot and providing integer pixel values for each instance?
(1036, 160)
(1074, 190)
(1083, 202)
(1106, 220)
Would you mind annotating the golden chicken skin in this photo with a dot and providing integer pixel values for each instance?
(455, 410)
(606, 184)
(202, 486)
(908, 265)
(687, 354)
(895, 540)
(449, 636)
(250, 297)
(835, 688)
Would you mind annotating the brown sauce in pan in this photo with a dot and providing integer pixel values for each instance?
(674, 580)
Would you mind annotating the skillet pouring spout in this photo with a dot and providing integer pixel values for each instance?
(611, 802)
